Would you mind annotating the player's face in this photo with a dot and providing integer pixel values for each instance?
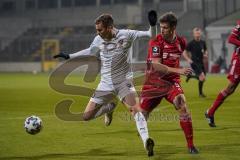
(197, 34)
(166, 31)
(104, 32)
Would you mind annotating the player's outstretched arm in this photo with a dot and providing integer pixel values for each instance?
(61, 55)
(85, 52)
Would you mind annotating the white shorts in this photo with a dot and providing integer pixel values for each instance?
(106, 93)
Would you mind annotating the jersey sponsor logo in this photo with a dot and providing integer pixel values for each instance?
(155, 50)
(176, 55)
(165, 55)
(171, 55)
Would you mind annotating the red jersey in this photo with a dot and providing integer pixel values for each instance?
(234, 71)
(169, 53)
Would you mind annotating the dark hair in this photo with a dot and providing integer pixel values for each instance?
(169, 18)
(105, 19)
(196, 29)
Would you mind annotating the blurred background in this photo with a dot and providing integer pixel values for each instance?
(31, 31)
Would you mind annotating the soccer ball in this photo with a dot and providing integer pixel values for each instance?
(33, 125)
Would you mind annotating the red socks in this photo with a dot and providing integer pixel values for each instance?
(186, 124)
(218, 101)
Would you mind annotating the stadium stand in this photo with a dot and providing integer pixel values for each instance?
(25, 24)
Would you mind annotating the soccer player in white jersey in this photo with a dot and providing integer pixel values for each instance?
(112, 47)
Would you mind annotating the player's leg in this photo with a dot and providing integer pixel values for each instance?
(109, 115)
(151, 97)
(234, 79)
(94, 110)
(98, 105)
(128, 96)
(190, 76)
(218, 101)
(132, 103)
(195, 69)
(185, 121)
(201, 81)
(177, 98)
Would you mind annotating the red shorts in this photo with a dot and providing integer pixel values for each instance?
(149, 101)
(234, 71)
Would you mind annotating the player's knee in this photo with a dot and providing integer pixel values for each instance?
(86, 117)
(183, 110)
(145, 114)
(230, 90)
(179, 102)
(202, 79)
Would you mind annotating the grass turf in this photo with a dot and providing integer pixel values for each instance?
(22, 95)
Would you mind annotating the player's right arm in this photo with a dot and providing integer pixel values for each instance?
(166, 69)
(155, 59)
(92, 50)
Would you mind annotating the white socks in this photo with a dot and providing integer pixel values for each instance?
(141, 126)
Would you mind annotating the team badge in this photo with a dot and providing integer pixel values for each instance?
(129, 85)
(155, 50)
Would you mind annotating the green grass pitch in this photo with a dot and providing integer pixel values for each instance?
(22, 95)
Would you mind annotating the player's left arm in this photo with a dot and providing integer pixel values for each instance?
(135, 34)
(152, 32)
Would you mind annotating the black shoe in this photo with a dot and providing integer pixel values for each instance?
(193, 150)
(188, 78)
(210, 120)
(149, 147)
(202, 95)
(109, 116)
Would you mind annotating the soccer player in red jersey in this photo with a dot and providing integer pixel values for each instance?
(233, 75)
(166, 50)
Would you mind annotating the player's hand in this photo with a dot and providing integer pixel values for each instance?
(152, 17)
(62, 55)
(186, 71)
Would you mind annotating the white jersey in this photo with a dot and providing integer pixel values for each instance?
(115, 67)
